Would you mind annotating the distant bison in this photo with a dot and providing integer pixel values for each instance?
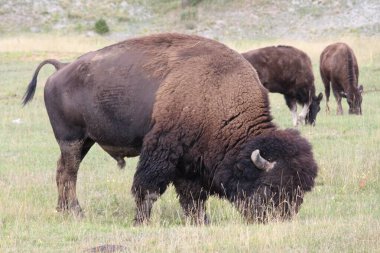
(288, 70)
(196, 113)
(339, 67)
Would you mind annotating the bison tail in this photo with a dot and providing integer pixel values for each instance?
(28, 96)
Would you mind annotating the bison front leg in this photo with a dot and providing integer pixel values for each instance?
(304, 112)
(153, 174)
(326, 83)
(150, 181)
(144, 206)
(339, 109)
(338, 97)
(193, 200)
(292, 104)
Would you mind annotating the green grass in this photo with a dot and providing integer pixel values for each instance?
(341, 214)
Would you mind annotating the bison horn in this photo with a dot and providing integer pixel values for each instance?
(261, 162)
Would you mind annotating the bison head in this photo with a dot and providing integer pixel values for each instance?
(354, 100)
(275, 171)
(314, 108)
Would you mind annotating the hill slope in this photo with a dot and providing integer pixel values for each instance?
(239, 19)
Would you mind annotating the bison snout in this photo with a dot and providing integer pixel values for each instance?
(355, 111)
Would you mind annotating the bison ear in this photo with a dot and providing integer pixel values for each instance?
(320, 96)
(360, 89)
(260, 162)
(343, 94)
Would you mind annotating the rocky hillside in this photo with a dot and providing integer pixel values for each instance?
(238, 19)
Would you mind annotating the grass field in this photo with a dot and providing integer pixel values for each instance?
(341, 214)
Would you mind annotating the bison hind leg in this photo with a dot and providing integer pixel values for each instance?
(72, 153)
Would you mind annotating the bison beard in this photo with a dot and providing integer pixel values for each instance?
(277, 193)
(195, 112)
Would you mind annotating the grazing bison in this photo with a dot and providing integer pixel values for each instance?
(196, 113)
(339, 67)
(287, 70)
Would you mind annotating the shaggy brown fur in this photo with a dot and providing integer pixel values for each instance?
(287, 70)
(339, 67)
(192, 108)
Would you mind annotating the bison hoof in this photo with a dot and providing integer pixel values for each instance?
(206, 220)
(74, 209)
(77, 212)
(108, 248)
(137, 222)
(198, 220)
(301, 121)
(296, 122)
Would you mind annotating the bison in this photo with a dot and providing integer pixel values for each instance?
(339, 67)
(288, 70)
(195, 112)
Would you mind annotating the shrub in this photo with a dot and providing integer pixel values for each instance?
(101, 26)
